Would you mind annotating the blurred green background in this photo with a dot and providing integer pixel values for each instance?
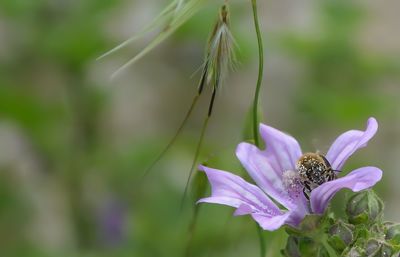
(74, 144)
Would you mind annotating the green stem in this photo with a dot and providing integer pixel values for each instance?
(192, 227)
(260, 73)
(331, 251)
(196, 155)
(262, 240)
(256, 101)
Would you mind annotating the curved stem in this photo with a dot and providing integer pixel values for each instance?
(260, 72)
(256, 101)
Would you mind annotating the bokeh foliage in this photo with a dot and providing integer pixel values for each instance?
(68, 190)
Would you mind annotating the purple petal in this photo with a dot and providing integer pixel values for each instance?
(297, 215)
(270, 223)
(243, 210)
(356, 180)
(293, 217)
(349, 142)
(260, 170)
(282, 150)
(232, 190)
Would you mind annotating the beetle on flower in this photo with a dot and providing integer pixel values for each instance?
(275, 172)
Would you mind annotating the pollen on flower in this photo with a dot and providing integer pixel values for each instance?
(292, 183)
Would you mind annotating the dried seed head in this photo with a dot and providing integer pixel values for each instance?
(220, 55)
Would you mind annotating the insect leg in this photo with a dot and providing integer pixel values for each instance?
(306, 193)
(306, 190)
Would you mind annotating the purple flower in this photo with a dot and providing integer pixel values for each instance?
(112, 221)
(274, 172)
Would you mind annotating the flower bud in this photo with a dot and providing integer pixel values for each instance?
(372, 247)
(377, 229)
(355, 251)
(303, 246)
(292, 247)
(341, 235)
(393, 233)
(375, 248)
(364, 207)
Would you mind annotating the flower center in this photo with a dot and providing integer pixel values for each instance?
(292, 183)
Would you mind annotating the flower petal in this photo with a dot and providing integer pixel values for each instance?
(243, 210)
(260, 170)
(232, 190)
(297, 215)
(349, 142)
(270, 223)
(356, 180)
(282, 150)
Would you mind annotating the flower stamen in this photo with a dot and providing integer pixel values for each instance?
(292, 183)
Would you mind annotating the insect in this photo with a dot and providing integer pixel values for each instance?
(314, 170)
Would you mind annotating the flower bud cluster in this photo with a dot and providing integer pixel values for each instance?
(363, 233)
(370, 235)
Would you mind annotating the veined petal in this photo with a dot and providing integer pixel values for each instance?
(243, 210)
(232, 190)
(282, 150)
(260, 170)
(297, 215)
(356, 180)
(349, 142)
(270, 223)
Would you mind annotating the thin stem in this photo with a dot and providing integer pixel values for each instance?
(261, 239)
(196, 155)
(192, 227)
(331, 251)
(260, 72)
(256, 101)
(171, 142)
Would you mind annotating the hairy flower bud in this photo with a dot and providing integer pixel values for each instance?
(292, 248)
(304, 246)
(341, 235)
(372, 247)
(375, 248)
(392, 233)
(355, 251)
(364, 207)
